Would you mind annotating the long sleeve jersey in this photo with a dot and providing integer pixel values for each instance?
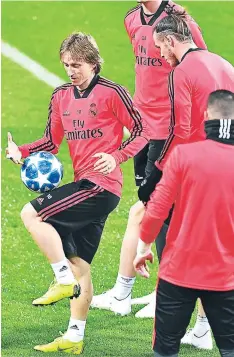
(151, 70)
(92, 124)
(199, 253)
(199, 73)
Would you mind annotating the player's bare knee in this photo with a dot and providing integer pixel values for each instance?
(75, 261)
(28, 214)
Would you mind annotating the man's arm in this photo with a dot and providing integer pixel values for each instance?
(162, 199)
(130, 118)
(180, 93)
(128, 21)
(127, 29)
(53, 134)
(157, 211)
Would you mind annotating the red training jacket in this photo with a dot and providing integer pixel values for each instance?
(199, 251)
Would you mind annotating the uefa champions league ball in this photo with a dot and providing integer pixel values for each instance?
(41, 172)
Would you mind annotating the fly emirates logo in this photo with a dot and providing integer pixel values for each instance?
(79, 133)
(143, 60)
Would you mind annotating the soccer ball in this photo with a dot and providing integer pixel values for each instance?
(41, 172)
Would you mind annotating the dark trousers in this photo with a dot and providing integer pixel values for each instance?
(174, 309)
(144, 161)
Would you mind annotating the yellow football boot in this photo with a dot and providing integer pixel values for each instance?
(60, 344)
(58, 292)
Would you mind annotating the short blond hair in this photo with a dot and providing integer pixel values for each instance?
(82, 47)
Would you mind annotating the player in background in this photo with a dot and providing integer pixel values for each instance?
(152, 100)
(91, 113)
(189, 91)
(198, 259)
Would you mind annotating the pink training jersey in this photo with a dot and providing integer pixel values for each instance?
(189, 91)
(92, 124)
(151, 84)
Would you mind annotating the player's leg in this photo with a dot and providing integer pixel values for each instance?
(70, 209)
(219, 308)
(173, 312)
(140, 161)
(40, 231)
(155, 148)
(129, 244)
(86, 218)
(49, 241)
(86, 242)
(135, 215)
(80, 248)
(118, 299)
(126, 276)
(72, 341)
(200, 335)
(80, 307)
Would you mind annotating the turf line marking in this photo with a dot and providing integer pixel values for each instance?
(34, 68)
(30, 65)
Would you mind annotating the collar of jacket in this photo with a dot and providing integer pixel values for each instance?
(221, 130)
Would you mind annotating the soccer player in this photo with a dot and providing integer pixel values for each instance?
(152, 100)
(198, 259)
(91, 113)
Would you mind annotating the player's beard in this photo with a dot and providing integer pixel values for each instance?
(171, 59)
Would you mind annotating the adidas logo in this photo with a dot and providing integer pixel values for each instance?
(74, 327)
(138, 177)
(63, 268)
(127, 280)
(66, 113)
(40, 200)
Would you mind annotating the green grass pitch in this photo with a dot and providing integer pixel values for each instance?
(37, 29)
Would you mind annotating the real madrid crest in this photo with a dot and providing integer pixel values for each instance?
(93, 110)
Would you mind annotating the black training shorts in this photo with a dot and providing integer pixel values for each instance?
(78, 211)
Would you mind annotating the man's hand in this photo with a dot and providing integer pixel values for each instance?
(106, 163)
(12, 151)
(140, 265)
(148, 185)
